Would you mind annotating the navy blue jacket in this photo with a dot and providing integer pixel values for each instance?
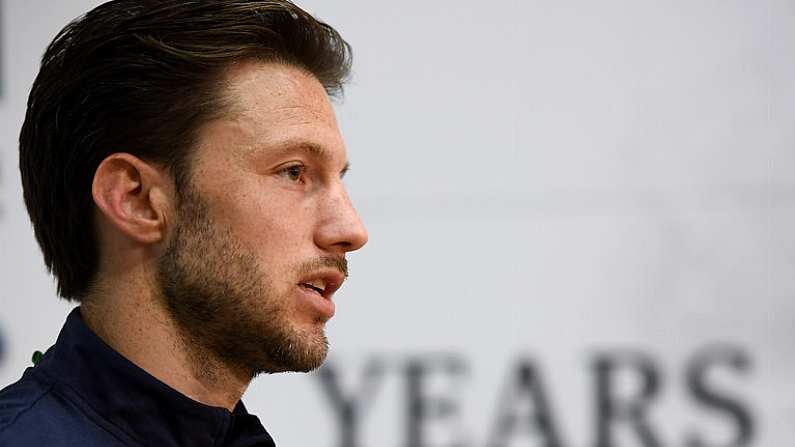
(83, 393)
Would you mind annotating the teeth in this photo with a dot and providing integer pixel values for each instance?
(318, 285)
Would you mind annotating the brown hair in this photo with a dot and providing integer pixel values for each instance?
(141, 76)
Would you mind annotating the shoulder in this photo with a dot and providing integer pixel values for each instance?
(35, 411)
(18, 398)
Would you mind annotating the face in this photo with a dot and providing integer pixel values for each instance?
(263, 225)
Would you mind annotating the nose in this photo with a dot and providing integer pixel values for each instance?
(340, 230)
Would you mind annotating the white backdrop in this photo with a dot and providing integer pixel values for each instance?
(551, 188)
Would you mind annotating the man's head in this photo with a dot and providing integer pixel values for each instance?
(197, 138)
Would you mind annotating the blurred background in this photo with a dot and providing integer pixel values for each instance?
(581, 226)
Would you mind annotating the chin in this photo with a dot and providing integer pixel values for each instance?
(301, 351)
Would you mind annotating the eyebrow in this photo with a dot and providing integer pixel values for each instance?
(310, 148)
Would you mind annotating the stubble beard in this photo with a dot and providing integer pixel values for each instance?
(225, 305)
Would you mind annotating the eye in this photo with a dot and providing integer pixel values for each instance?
(294, 173)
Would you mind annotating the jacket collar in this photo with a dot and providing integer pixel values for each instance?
(138, 403)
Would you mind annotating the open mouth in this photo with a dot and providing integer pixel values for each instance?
(319, 289)
(323, 283)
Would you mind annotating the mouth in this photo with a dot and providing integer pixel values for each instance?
(319, 288)
(323, 284)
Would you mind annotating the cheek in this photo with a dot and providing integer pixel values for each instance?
(276, 225)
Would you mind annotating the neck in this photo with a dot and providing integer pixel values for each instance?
(135, 323)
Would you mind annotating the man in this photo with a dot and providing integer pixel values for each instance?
(182, 168)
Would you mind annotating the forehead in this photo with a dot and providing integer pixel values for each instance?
(273, 100)
(268, 106)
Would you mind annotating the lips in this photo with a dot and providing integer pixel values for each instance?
(323, 283)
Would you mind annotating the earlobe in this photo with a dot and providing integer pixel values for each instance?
(129, 194)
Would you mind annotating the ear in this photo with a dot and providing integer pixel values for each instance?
(134, 196)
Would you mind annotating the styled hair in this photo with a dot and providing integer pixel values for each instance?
(142, 76)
